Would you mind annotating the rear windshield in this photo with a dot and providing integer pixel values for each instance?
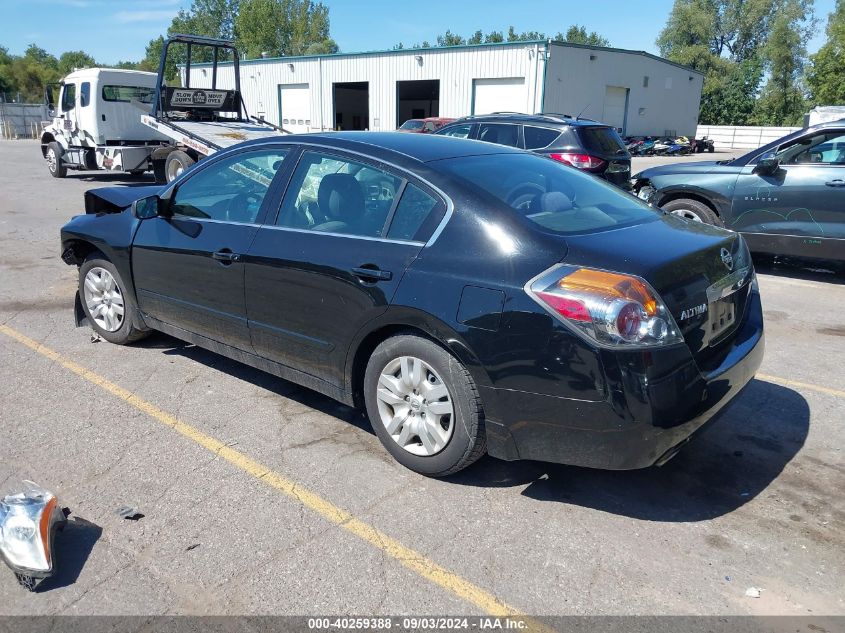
(558, 198)
(128, 93)
(603, 140)
(413, 124)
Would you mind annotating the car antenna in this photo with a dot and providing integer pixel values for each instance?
(578, 116)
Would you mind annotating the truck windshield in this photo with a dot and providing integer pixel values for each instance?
(128, 93)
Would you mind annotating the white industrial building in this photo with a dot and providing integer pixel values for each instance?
(637, 92)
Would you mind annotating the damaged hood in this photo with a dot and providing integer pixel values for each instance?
(116, 199)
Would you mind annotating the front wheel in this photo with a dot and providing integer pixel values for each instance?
(106, 304)
(694, 210)
(55, 164)
(424, 406)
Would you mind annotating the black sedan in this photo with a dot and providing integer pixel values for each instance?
(471, 297)
(786, 198)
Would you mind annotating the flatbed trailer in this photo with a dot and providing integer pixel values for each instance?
(199, 121)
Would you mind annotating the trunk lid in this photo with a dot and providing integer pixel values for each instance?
(701, 272)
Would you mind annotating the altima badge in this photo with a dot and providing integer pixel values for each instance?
(727, 258)
(694, 311)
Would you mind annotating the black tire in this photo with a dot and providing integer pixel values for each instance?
(160, 171)
(57, 168)
(711, 148)
(127, 332)
(693, 210)
(177, 162)
(468, 441)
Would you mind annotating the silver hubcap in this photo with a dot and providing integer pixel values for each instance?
(175, 170)
(104, 299)
(689, 214)
(51, 160)
(415, 406)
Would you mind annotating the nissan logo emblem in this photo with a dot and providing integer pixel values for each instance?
(727, 258)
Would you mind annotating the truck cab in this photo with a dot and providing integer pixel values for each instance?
(96, 121)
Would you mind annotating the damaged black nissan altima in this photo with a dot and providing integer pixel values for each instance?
(470, 297)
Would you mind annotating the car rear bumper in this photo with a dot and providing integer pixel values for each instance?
(644, 420)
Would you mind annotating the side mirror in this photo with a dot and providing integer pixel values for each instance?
(50, 100)
(149, 207)
(767, 165)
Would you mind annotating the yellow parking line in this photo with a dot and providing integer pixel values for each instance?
(802, 385)
(411, 559)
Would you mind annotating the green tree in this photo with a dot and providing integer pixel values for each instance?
(450, 39)
(827, 67)
(576, 34)
(283, 27)
(476, 38)
(75, 59)
(494, 37)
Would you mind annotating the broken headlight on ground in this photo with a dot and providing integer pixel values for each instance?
(29, 518)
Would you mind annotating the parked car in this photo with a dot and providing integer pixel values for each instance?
(581, 143)
(787, 198)
(424, 126)
(471, 297)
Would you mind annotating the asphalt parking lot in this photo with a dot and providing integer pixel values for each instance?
(262, 497)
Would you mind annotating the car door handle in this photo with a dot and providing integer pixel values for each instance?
(226, 256)
(372, 274)
(835, 183)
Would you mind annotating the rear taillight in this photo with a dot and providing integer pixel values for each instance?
(612, 309)
(581, 161)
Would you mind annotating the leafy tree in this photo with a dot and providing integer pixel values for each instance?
(576, 34)
(476, 38)
(450, 39)
(827, 66)
(494, 37)
(283, 27)
(75, 59)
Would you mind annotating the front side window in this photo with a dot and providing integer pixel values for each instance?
(499, 133)
(412, 124)
(231, 190)
(331, 194)
(68, 97)
(85, 94)
(458, 131)
(821, 149)
(128, 94)
(555, 197)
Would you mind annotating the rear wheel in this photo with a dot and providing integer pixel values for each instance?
(160, 171)
(106, 304)
(424, 406)
(177, 162)
(54, 160)
(694, 210)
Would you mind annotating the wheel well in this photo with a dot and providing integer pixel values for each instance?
(689, 196)
(366, 348)
(46, 139)
(79, 251)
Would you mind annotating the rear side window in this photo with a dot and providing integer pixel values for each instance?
(458, 131)
(128, 93)
(416, 216)
(555, 197)
(499, 133)
(85, 93)
(603, 140)
(538, 137)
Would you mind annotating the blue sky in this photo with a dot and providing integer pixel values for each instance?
(113, 30)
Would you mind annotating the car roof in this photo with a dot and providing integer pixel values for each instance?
(420, 147)
(540, 118)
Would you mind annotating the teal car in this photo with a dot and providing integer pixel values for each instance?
(786, 198)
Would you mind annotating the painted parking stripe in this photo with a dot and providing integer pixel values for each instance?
(802, 385)
(411, 559)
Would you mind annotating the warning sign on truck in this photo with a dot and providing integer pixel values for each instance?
(198, 98)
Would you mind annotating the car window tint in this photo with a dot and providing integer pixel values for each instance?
(416, 216)
(458, 131)
(128, 94)
(538, 137)
(555, 197)
(335, 195)
(602, 140)
(68, 97)
(412, 124)
(500, 133)
(230, 190)
(822, 149)
(85, 94)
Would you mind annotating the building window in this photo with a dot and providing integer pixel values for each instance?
(645, 81)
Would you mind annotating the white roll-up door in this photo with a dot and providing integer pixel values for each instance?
(295, 107)
(615, 102)
(499, 95)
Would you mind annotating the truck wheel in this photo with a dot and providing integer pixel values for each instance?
(54, 160)
(424, 406)
(177, 162)
(106, 304)
(693, 210)
(160, 171)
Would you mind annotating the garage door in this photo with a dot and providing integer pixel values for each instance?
(295, 107)
(498, 95)
(615, 106)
